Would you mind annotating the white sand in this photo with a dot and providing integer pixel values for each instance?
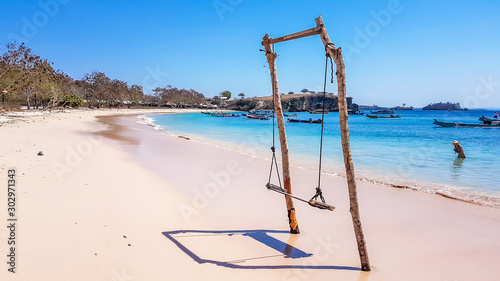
(195, 212)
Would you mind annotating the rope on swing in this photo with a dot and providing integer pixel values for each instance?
(319, 192)
(274, 161)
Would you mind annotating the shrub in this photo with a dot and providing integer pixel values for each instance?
(71, 101)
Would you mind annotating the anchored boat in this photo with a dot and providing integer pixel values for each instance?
(489, 121)
(319, 111)
(378, 116)
(225, 114)
(465, 125)
(257, 117)
(310, 120)
(358, 112)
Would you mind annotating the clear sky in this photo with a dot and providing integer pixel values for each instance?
(413, 52)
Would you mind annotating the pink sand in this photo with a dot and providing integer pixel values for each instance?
(140, 205)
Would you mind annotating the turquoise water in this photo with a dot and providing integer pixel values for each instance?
(410, 151)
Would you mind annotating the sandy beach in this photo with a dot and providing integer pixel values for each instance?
(114, 199)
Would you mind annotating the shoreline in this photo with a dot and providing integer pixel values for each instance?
(158, 207)
(450, 192)
(459, 193)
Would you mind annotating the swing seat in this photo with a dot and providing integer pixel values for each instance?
(274, 187)
(312, 203)
(321, 205)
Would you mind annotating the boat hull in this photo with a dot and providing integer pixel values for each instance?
(383, 117)
(464, 125)
(319, 111)
(310, 121)
(257, 117)
(489, 121)
(387, 111)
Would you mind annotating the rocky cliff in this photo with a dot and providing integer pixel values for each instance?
(292, 103)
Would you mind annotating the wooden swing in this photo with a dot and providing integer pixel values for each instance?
(336, 54)
(274, 163)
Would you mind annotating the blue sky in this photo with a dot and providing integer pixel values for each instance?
(413, 52)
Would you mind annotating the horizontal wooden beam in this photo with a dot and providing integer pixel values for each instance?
(297, 35)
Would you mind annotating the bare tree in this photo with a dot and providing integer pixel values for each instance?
(97, 87)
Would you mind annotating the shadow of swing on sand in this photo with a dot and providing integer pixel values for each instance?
(286, 250)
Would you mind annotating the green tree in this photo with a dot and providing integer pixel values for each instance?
(226, 94)
(23, 74)
(242, 95)
(71, 101)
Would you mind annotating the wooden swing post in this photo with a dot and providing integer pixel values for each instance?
(336, 54)
(271, 59)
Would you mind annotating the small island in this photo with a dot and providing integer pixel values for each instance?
(444, 106)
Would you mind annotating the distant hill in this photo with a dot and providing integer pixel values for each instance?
(444, 106)
(292, 103)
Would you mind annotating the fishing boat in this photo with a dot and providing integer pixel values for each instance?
(211, 113)
(225, 114)
(257, 117)
(465, 125)
(319, 111)
(357, 112)
(284, 114)
(384, 111)
(310, 120)
(489, 121)
(392, 116)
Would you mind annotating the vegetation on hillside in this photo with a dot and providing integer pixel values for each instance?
(29, 80)
(24, 76)
(293, 103)
(171, 94)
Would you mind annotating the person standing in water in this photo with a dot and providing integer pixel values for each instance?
(458, 149)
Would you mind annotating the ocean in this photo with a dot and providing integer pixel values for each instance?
(409, 152)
